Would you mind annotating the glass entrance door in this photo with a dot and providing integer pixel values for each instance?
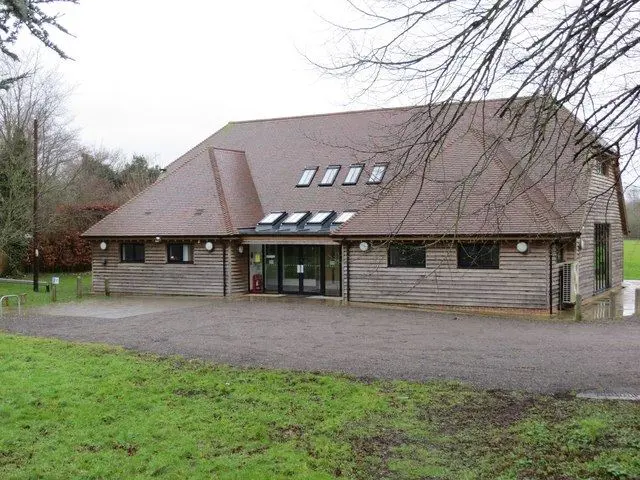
(290, 268)
(311, 271)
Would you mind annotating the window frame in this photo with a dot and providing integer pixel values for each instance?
(277, 218)
(406, 245)
(337, 168)
(384, 170)
(328, 214)
(475, 265)
(313, 171)
(181, 245)
(134, 244)
(303, 214)
(337, 220)
(360, 167)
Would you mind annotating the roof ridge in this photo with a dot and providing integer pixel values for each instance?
(160, 179)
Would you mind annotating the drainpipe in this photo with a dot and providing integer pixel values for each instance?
(550, 278)
(224, 269)
(348, 274)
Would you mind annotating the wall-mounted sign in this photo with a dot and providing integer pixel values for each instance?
(55, 280)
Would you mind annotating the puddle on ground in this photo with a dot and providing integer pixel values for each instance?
(611, 307)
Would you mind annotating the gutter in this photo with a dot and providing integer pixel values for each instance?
(224, 269)
(348, 286)
(550, 278)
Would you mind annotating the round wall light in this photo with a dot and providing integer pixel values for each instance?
(240, 249)
(364, 246)
(103, 245)
(208, 246)
(522, 247)
(157, 239)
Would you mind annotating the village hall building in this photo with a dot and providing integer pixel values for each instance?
(346, 205)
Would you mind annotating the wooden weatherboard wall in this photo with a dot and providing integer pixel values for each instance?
(155, 275)
(521, 282)
(602, 207)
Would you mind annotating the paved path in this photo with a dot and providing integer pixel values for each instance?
(541, 355)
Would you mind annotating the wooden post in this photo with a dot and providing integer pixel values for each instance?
(107, 291)
(23, 298)
(79, 286)
(577, 309)
(54, 293)
(637, 310)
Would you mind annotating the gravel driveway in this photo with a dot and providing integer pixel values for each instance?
(503, 353)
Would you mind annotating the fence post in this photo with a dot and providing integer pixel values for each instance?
(54, 293)
(79, 286)
(107, 291)
(577, 309)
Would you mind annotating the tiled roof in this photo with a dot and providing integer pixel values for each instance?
(475, 185)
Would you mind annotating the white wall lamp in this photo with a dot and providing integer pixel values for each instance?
(240, 249)
(157, 239)
(522, 247)
(364, 246)
(103, 245)
(208, 246)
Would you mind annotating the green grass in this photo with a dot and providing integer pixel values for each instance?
(88, 411)
(632, 259)
(66, 290)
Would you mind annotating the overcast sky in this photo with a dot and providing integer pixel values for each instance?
(155, 76)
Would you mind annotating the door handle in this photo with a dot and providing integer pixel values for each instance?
(300, 268)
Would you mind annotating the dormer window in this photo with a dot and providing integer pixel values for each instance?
(271, 218)
(344, 216)
(377, 173)
(294, 218)
(307, 177)
(353, 175)
(319, 218)
(330, 176)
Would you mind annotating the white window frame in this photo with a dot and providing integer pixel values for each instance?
(330, 175)
(307, 176)
(317, 219)
(353, 175)
(275, 215)
(294, 218)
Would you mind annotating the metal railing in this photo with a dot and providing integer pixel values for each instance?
(7, 297)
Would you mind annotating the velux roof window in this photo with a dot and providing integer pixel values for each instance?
(353, 175)
(271, 218)
(330, 175)
(319, 217)
(343, 217)
(377, 173)
(307, 176)
(295, 218)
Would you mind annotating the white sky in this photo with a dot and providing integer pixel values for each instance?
(155, 76)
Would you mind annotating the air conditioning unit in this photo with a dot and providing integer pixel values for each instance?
(569, 282)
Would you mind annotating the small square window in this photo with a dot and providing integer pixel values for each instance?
(132, 253)
(179, 253)
(295, 218)
(377, 173)
(353, 174)
(319, 217)
(307, 177)
(271, 218)
(343, 217)
(329, 176)
(479, 255)
(412, 255)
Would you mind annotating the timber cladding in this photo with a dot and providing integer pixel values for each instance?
(521, 281)
(155, 275)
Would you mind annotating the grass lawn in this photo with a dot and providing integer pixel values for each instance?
(66, 289)
(88, 411)
(632, 259)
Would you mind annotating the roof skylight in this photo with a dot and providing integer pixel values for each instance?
(319, 217)
(330, 175)
(271, 218)
(353, 175)
(377, 173)
(344, 216)
(295, 218)
(307, 177)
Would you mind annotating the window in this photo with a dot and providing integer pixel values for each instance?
(319, 217)
(407, 255)
(330, 176)
(179, 253)
(377, 173)
(132, 252)
(479, 255)
(295, 217)
(307, 177)
(353, 175)
(271, 218)
(343, 217)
